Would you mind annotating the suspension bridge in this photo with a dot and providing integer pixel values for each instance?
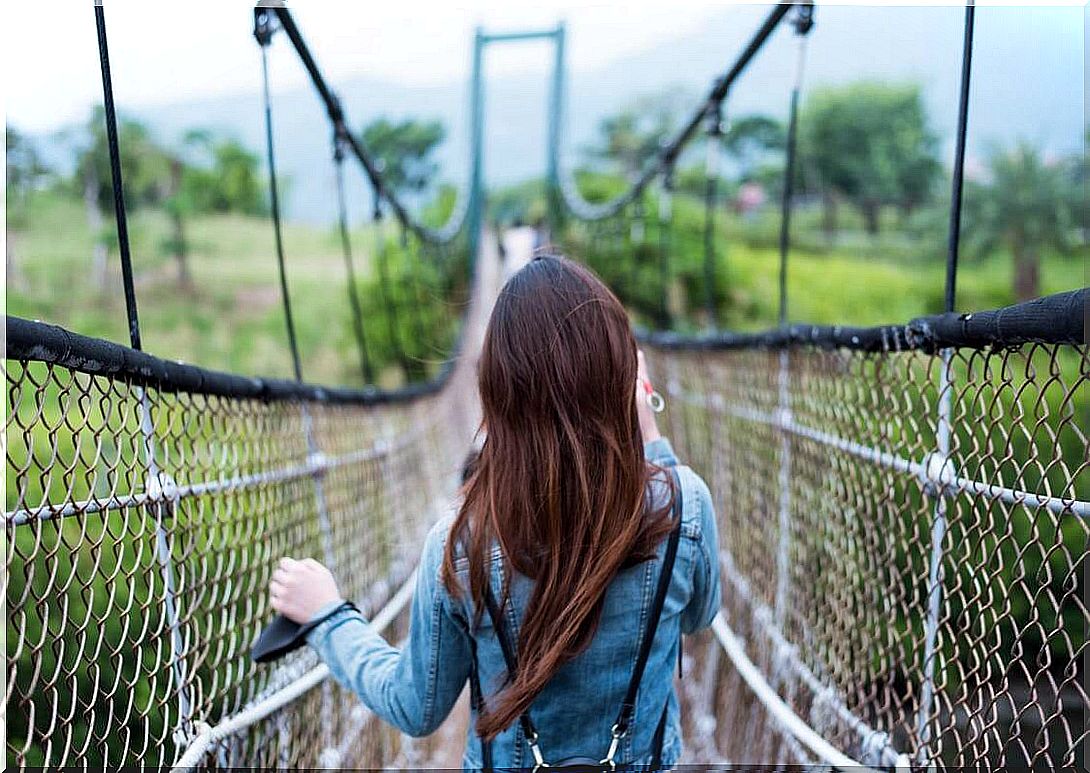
(903, 509)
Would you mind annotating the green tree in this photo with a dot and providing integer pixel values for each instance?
(208, 174)
(629, 139)
(24, 167)
(404, 150)
(25, 171)
(870, 143)
(144, 167)
(1027, 206)
(749, 138)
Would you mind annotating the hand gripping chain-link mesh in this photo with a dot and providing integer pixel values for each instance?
(835, 510)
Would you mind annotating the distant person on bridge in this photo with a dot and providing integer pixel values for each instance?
(581, 552)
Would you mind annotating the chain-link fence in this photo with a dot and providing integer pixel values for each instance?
(904, 538)
(147, 503)
(142, 529)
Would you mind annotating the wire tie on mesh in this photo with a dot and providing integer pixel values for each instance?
(183, 736)
(161, 487)
(318, 463)
(822, 707)
(783, 652)
(872, 747)
(938, 474)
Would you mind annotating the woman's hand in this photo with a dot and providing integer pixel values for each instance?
(649, 427)
(299, 589)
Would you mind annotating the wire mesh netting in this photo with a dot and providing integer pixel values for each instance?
(147, 504)
(142, 531)
(900, 600)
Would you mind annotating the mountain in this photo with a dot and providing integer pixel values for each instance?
(1028, 82)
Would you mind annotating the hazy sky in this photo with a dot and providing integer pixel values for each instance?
(166, 53)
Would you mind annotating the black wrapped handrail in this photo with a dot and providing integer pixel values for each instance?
(1053, 319)
(34, 341)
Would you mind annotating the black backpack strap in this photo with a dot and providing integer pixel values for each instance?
(476, 698)
(628, 707)
(659, 738)
(509, 658)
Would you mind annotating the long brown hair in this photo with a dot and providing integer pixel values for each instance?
(561, 479)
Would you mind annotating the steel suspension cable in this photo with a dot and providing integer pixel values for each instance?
(665, 221)
(263, 18)
(711, 197)
(668, 155)
(944, 420)
(957, 183)
(350, 270)
(804, 22)
(263, 35)
(164, 512)
(116, 179)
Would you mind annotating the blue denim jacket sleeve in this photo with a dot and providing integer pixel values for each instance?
(660, 452)
(704, 605)
(705, 602)
(413, 688)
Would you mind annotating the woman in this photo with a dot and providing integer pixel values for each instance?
(567, 519)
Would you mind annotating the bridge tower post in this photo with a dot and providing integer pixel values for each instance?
(556, 115)
(476, 117)
(477, 200)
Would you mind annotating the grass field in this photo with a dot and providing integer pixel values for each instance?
(232, 319)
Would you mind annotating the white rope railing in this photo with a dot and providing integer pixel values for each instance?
(259, 710)
(780, 711)
(787, 654)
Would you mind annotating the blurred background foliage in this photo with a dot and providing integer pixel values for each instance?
(868, 234)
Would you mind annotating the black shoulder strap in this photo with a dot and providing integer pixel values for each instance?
(477, 700)
(628, 706)
(508, 649)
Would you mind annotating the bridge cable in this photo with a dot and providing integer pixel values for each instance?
(714, 132)
(665, 223)
(115, 175)
(944, 418)
(669, 153)
(957, 183)
(263, 30)
(804, 22)
(155, 479)
(350, 270)
(335, 111)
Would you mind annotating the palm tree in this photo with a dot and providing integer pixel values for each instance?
(1026, 206)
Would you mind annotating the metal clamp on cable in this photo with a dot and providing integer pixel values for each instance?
(264, 25)
(804, 18)
(937, 473)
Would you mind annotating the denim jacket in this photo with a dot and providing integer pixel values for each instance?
(414, 688)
